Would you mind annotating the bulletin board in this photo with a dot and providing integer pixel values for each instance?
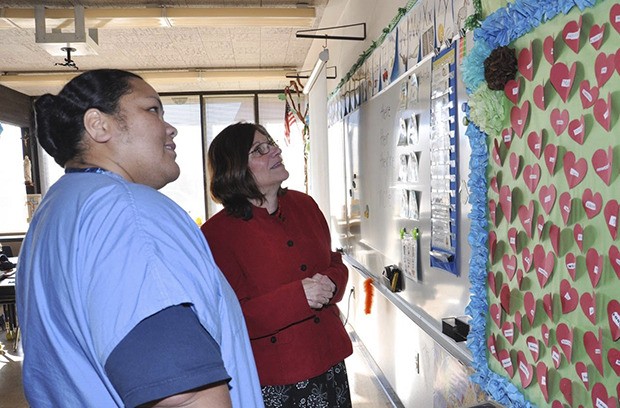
(545, 257)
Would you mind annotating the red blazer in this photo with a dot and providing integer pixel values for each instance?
(264, 260)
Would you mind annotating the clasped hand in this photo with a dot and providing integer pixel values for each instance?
(319, 290)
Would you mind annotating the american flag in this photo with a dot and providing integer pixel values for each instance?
(289, 119)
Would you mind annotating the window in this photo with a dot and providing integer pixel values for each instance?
(13, 209)
(183, 112)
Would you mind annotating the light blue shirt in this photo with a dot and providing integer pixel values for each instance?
(102, 254)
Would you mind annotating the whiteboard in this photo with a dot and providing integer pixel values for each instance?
(366, 195)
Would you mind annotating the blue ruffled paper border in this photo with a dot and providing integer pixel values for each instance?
(498, 29)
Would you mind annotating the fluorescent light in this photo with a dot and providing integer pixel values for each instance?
(318, 67)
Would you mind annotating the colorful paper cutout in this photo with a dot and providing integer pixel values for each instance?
(565, 202)
(566, 388)
(577, 130)
(582, 373)
(614, 259)
(592, 203)
(571, 265)
(526, 371)
(597, 34)
(571, 34)
(543, 264)
(587, 301)
(602, 112)
(574, 169)
(569, 299)
(539, 97)
(578, 235)
(594, 266)
(525, 63)
(541, 375)
(534, 142)
(551, 157)
(511, 89)
(564, 336)
(559, 120)
(611, 217)
(603, 68)
(588, 94)
(519, 116)
(547, 195)
(526, 216)
(602, 162)
(548, 49)
(613, 317)
(562, 78)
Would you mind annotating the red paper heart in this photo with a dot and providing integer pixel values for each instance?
(531, 177)
(614, 16)
(540, 224)
(578, 235)
(600, 398)
(519, 321)
(529, 302)
(577, 130)
(493, 212)
(506, 361)
(602, 112)
(518, 117)
(559, 120)
(551, 157)
(514, 162)
(534, 142)
(494, 184)
(613, 317)
(588, 94)
(574, 170)
(543, 264)
(526, 372)
(566, 387)
(548, 48)
(496, 314)
(526, 216)
(507, 136)
(492, 247)
(592, 203)
(617, 65)
(602, 162)
(562, 78)
(613, 356)
(512, 241)
(594, 265)
(548, 305)
(594, 348)
(491, 346)
(541, 375)
(568, 297)
(597, 32)
(539, 97)
(505, 202)
(510, 266)
(544, 330)
(547, 197)
(511, 89)
(556, 357)
(565, 206)
(526, 259)
(508, 330)
(582, 373)
(504, 298)
(603, 68)
(614, 259)
(571, 265)
(533, 347)
(526, 63)
(554, 237)
(519, 279)
(611, 217)
(492, 282)
(571, 34)
(495, 153)
(564, 336)
(587, 301)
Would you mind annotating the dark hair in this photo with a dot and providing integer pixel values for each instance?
(59, 119)
(500, 67)
(232, 182)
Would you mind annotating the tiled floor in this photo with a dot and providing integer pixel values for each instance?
(366, 388)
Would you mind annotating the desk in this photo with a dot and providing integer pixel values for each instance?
(7, 300)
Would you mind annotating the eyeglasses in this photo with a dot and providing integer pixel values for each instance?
(263, 148)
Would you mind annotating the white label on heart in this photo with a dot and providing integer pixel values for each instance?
(543, 272)
(565, 83)
(506, 362)
(524, 369)
(532, 346)
(596, 38)
(574, 172)
(566, 342)
(567, 296)
(573, 35)
(603, 70)
(605, 167)
(590, 205)
(587, 95)
(612, 220)
(571, 265)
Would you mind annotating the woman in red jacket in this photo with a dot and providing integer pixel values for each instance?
(273, 245)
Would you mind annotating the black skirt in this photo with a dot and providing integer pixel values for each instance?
(328, 390)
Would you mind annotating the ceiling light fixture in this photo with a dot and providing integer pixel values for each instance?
(318, 67)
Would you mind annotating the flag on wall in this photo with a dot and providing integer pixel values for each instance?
(289, 119)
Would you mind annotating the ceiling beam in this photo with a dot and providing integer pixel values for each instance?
(153, 17)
